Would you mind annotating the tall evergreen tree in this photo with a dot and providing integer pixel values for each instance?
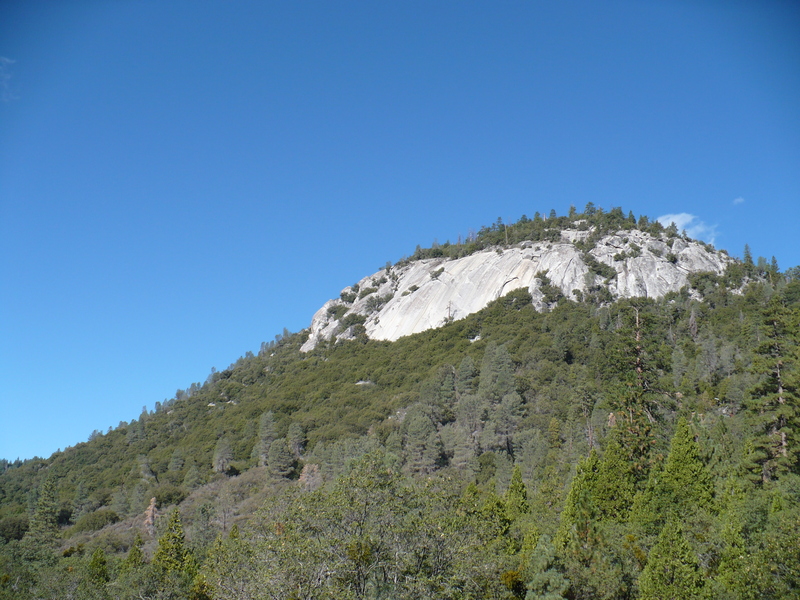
(574, 528)
(266, 435)
(135, 558)
(685, 476)
(223, 455)
(774, 403)
(613, 489)
(296, 439)
(465, 377)
(280, 459)
(673, 570)
(422, 445)
(497, 373)
(634, 353)
(516, 497)
(172, 554)
(680, 488)
(545, 582)
(40, 538)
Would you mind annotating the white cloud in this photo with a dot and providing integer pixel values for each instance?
(738, 200)
(694, 227)
(5, 78)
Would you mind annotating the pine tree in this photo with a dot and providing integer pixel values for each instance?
(172, 555)
(135, 558)
(81, 504)
(497, 374)
(545, 582)
(465, 377)
(747, 259)
(614, 488)
(192, 478)
(296, 439)
(176, 461)
(516, 497)
(679, 488)
(266, 435)
(634, 354)
(280, 460)
(774, 404)
(422, 446)
(505, 419)
(685, 476)
(223, 455)
(38, 542)
(98, 568)
(574, 525)
(673, 570)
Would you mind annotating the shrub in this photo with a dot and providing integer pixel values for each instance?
(601, 269)
(168, 494)
(95, 520)
(337, 312)
(374, 303)
(13, 527)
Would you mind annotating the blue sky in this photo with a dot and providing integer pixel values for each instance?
(179, 181)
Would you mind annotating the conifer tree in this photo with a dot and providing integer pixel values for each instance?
(471, 414)
(98, 568)
(516, 497)
(465, 377)
(223, 455)
(81, 504)
(40, 538)
(679, 488)
(673, 570)
(505, 420)
(422, 445)
(176, 461)
(685, 476)
(266, 435)
(296, 439)
(545, 582)
(774, 404)
(614, 488)
(634, 354)
(135, 558)
(280, 459)
(573, 528)
(172, 555)
(192, 478)
(497, 374)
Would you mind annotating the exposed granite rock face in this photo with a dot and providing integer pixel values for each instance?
(428, 293)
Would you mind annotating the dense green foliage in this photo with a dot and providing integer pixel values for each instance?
(548, 229)
(640, 449)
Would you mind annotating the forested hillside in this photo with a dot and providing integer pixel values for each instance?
(635, 448)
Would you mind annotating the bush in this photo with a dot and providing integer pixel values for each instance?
(168, 494)
(13, 527)
(601, 269)
(375, 303)
(337, 312)
(352, 319)
(95, 520)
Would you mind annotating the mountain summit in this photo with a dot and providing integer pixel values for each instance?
(576, 263)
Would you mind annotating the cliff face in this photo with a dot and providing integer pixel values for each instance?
(428, 293)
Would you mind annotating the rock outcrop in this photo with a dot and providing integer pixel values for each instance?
(424, 294)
